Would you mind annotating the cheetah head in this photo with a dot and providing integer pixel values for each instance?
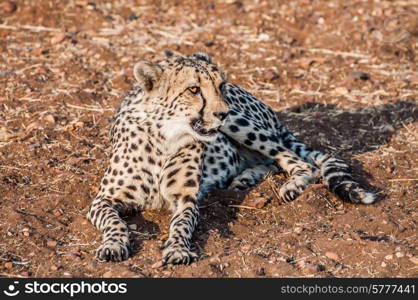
(185, 92)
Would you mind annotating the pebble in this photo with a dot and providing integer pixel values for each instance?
(8, 6)
(245, 248)
(297, 229)
(306, 62)
(341, 90)
(383, 264)
(49, 119)
(32, 126)
(41, 70)
(399, 254)
(6, 135)
(259, 202)
(157, 265)
(54, 268)
(413, 79)
(332, 255)
(270, 75)
(359, 75)
(133, 226)
(389, 257)
(310, 269)
(57, 38)
(108, 274)
(51, 243)
(37, 51)
(79, 124)
(414, 260)
(81, 2)
(8, 265)
(209, 43)
(215, 259)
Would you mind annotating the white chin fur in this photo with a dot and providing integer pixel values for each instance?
(204, 138)
(368, 198)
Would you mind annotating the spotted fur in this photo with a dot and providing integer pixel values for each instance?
(183, 131)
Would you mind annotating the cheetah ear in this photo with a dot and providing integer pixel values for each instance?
(147, 74)
(202, 56)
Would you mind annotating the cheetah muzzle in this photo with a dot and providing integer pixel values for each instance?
(182, 131)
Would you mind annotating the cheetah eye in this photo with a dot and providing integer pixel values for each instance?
(194, 89)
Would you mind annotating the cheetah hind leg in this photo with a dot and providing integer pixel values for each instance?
(103, 214)
(252, 176)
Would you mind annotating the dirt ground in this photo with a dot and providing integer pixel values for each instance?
(64, 66)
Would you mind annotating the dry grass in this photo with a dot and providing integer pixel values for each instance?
(65, 64)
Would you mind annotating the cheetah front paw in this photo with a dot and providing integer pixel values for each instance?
(113, 251)
(177, 255)
(291, 190)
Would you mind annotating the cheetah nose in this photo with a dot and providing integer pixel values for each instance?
(221, 115)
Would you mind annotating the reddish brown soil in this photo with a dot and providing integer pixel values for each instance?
(64, 66)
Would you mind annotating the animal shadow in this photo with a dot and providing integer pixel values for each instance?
(344, 133)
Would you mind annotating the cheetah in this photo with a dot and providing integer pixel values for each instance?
(184, 130)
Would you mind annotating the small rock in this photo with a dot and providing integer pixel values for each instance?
(41, 70)
(383, 264)
(245, 248)
(39, 51)
(51, 243)
(49, 118)
(73, 255)
(57, 213)
(24, 274)
(8, 6)
(259, 202)
(67, 274)
(310, 269)
(399, 254)
(32, 126)
(215, 259)
(297, 229)
(53, 268)
(26, 233)
(332, 255)
(8, 265)
(209, 43)
(57, 37)
(108, 274)
(132, 17)
(260, 272)
(79, 124)
(270, 75)
(6, 135)
(341, 90)
(133, 226)
(414, 260)
(413, 79)
(306, 62)
(359, 75)
(81, 2)
(157, 265)
(389, 257)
